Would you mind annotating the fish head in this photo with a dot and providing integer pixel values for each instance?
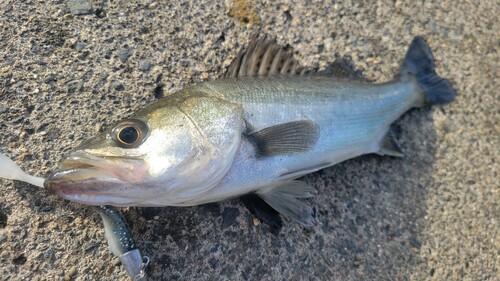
(158, 157)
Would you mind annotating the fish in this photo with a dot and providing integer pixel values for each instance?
(250, 134)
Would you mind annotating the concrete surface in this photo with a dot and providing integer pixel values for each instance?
(432, 215)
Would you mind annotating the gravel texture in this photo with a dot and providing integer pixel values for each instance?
(432, 215)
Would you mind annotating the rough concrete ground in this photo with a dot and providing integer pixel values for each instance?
(432, 215)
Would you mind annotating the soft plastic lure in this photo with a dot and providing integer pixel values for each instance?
(120, 239)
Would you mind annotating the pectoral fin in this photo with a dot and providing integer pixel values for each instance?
(283, 198)
(288, 138)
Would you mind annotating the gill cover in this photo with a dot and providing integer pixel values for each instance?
(219, 124)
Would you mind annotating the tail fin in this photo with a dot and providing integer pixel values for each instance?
(419, 61)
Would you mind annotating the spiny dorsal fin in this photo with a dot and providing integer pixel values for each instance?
(264, 57)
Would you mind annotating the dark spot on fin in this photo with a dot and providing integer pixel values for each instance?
(264, 57)
(283, 198)
(258, 207)
(389, 147)
(288, 138)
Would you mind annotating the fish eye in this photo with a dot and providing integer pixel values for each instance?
(129, 133)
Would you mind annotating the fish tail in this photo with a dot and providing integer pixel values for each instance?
(419, 62)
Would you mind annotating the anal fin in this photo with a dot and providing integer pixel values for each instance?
(389, 147)
(288, 138)
(284, 199)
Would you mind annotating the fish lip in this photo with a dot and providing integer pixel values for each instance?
(86, 178)
(105, 166)
(80, 160)
(63, 179)
(76, 163)
(90, 190)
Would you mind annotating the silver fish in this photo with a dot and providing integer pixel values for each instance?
(255, 131)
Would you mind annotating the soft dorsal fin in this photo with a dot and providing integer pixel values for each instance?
(264, 57)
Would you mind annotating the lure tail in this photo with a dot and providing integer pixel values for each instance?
(10, 170)
(419, 62)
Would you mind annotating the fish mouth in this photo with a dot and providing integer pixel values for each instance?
(94, 180)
